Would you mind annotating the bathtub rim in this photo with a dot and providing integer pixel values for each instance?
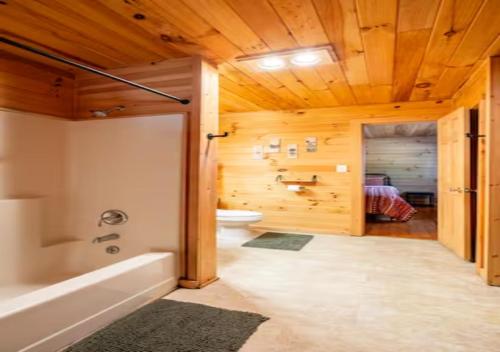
(49, 293)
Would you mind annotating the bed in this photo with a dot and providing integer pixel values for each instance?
(384, 199)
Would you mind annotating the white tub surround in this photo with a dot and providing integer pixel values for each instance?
(53, 317)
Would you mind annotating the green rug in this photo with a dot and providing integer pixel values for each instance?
(172, 326)
(275, 240)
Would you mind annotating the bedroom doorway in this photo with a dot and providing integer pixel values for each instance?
(400, 177)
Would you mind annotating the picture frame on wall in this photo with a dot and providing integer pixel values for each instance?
(292, 151)
(311, 144)
(274, 145)
(258, 152)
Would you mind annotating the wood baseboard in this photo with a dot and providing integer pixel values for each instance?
(194, 284)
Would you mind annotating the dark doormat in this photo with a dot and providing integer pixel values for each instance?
(275, 240)
(172, 326)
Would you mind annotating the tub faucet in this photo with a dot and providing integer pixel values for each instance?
(110, 237)
(113, 217)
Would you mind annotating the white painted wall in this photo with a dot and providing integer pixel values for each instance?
(58, 176)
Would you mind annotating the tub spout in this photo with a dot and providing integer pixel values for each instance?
(110, 237)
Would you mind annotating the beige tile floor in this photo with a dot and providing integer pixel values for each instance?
(352, 294)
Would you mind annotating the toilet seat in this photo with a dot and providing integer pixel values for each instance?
(243, 216)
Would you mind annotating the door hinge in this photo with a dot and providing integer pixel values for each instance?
(471, 135)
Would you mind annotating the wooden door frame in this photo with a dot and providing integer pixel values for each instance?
(481, 190)
(358, 223)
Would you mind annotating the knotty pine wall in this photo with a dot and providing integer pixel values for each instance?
(492, 171)
(482, 90)
(410, 162)
(473, 94)
(31, 86)
(326, 207)
(173, 76)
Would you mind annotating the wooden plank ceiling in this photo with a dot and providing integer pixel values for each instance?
(387, 50)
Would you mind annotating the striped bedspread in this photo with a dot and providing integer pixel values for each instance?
(387, 201)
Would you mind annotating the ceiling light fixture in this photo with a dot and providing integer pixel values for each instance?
(271, 63)
(286, 59)
(305, 59)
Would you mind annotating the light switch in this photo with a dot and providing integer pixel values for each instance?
(342, 168)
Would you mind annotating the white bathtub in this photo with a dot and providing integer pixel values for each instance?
(53, 317)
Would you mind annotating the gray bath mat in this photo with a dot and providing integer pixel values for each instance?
(172, 326)
(275, 240)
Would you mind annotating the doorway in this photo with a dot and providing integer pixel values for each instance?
(400, 179)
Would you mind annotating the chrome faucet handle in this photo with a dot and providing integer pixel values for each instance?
(113, 217)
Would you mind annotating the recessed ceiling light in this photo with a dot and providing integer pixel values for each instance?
(271, 63)
(305, 59)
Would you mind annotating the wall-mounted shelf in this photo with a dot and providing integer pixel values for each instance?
(312, 181)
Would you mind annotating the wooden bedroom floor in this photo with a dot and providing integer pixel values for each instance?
(422, 226)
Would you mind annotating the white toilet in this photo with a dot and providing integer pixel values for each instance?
(237, 218)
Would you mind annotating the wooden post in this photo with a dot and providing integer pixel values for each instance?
(201, 204)
(492, 240)
(357, 169)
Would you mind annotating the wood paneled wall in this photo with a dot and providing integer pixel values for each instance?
(31, 86)
(326, 207)
(100, 93)
(474, 89)
(410, 162)
(34, 87)
(482, 91)
(492, 213)
(473, 94)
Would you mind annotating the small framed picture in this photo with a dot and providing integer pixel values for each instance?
(258, 152)
(274, 145)
(311, 144)
(292, 151)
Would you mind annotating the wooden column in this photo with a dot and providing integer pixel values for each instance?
(492, 240)
(201, 204)
(357, 179)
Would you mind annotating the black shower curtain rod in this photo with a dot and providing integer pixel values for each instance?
(90, 69)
